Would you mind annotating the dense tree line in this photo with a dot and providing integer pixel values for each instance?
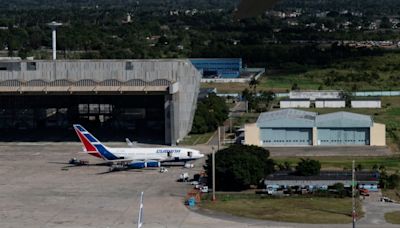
(96, 29)
(239, 166)
(211, 112)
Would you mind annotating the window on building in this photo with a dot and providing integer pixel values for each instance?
(129, 66)
(31, 66)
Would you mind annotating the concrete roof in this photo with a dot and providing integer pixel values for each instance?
(289, 118)
(343, 120)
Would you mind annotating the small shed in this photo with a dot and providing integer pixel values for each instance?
(366, 102)
(295, 103)
(330, 103)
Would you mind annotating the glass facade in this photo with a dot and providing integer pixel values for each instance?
(218, 68)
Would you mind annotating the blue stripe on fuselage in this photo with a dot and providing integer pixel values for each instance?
(90, 137)
(105, 153)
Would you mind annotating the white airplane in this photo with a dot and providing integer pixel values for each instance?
(134, 158)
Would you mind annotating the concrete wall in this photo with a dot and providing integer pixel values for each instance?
(378, 135)
(252, 134)
(295, 104)
(315, 136)
(366, 104)
(330, 104)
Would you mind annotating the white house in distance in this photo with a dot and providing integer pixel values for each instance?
(366, 102)
(330, 103)
(295, 103)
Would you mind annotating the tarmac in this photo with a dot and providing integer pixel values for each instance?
(38, 189)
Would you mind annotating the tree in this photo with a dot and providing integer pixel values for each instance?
(239, 166)
(308, 167)
(253, 84)
(295, 87)
(393, 182)
(211, 113)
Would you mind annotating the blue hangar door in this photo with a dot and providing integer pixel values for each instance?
(286, 136)
(343, 136)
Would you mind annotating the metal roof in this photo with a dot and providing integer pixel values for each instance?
(295, 99)
(288, 118)
(293, 118)
(366, 99)
(325, 175)
(343, 120)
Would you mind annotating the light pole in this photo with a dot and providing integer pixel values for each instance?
(213, 174)
(353, 185)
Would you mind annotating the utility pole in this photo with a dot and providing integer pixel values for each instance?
(353, 186)
(213, 173)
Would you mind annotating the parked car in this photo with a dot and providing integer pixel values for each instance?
(204, 189)
(163, 170)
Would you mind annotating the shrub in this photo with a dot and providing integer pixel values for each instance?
(308, 167)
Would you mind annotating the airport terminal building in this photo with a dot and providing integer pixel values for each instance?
(145, 100)
(291, 127)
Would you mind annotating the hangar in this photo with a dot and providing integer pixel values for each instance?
(343, 128)
(291, 127)
(286, 127)
(146, 100)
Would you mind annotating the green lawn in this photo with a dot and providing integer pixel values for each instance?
(291, 209)
(393, 217)
(392, 163)
(195, 139)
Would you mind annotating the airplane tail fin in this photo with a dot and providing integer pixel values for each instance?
(92, 145)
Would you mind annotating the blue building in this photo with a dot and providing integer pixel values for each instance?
(218, 68)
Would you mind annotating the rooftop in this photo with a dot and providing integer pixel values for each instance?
(325, 175)
(293, 118)
(287, 118)
(344, 119)
(366, 99)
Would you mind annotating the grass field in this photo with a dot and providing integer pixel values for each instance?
(393, 217)
(291, 209)
(195, 139)
(366, 73)
(392, 163)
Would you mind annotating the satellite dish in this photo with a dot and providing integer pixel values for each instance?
(253, 8)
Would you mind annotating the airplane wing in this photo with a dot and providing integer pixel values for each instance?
(252, 8)
(130, 144)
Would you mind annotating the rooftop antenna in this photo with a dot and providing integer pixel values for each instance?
(54, 25)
